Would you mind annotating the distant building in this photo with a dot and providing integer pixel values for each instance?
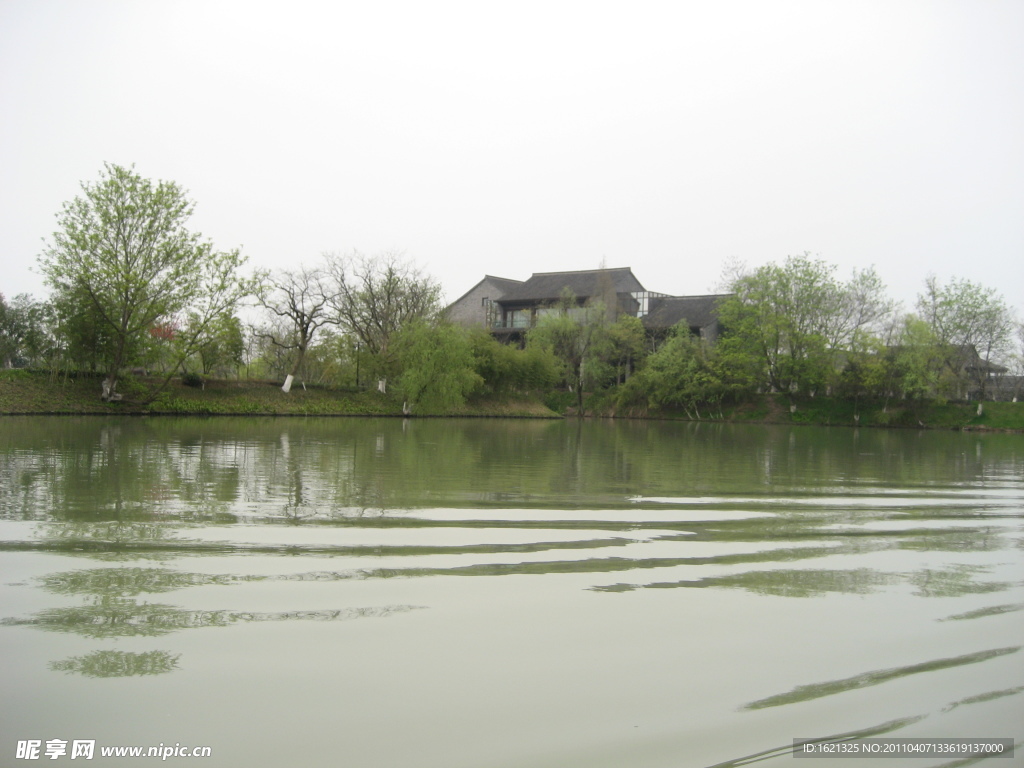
(699, 312)
(509, 308)
(478, 305)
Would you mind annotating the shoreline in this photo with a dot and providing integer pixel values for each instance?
(29, 393)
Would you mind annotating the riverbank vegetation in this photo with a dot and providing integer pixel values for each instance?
(146, 316)
(40, 392)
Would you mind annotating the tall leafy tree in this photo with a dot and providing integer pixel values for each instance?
(10, 334)
(24, 336)
(123, 250)
(575, 335)
(788, 326)
(624, 347)
(915, 360)
(1016, 391)
(965, 318)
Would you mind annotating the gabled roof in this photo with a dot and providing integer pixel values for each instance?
(506, 284)
(503, 284)
(962, 356)
(697, 311)
(548, 286)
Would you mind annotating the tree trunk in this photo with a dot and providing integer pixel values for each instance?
(110, 383)
(579, 392)
(295, 370)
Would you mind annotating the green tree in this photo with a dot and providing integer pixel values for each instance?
(10, 335)
(83, 338)
(435, 366)
(1017, 363)
(25, 339)
(915, 360)
(789, 327)
(574, 334)
(505, 369)
(122, 249)
(221, 349)
(683, 372)
(623, 348)
(967, 318)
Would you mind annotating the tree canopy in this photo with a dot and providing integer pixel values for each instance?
(375, 296)
(301, 300)
(123, 257)
(785, 326)
(960, 315)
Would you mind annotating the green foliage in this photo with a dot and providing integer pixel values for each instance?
(621, 349)
(559, 400)
(867, 370)
(193, 380)
(15, 374)
(435, 364)
(505, 369)
(123, 263)
(578, 337)
(24, 337)
(915, 364)
(788, 327)
(84, 337)
(331, 361)
(962, 315)
(682, 373)
(221, 346)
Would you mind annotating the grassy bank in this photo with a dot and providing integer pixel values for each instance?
(27, 392)
(826, 411)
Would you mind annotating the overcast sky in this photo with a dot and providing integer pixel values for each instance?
(508, 138)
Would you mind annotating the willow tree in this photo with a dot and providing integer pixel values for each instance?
(575, 335)
(123, 251)
(436, 366)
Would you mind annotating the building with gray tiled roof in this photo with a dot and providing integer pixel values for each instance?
(509, 308)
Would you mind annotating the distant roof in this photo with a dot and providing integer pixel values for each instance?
(503, 284)
(506, 284)
(964, 355)
(697, 311)
(548, 286)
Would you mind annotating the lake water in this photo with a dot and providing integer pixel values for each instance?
(380, 592)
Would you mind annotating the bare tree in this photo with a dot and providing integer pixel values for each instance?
(303, 298)
(862, 308)
(374, 297)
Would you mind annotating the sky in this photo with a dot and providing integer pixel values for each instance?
(508, 138)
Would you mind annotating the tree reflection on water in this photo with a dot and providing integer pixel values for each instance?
(118, 664)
